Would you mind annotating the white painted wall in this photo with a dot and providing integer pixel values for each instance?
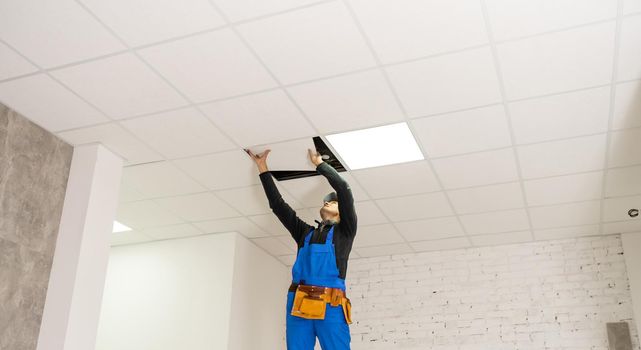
(632, 249)
(177, 294)
(258, 304)
(541, 295)
(199, 293)
(168, 295)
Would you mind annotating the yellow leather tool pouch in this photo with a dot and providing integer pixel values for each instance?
(347, 310)
(308, 306)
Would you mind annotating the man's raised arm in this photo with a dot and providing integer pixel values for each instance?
(287, 216)
(343, 192)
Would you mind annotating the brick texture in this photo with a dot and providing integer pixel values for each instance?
(540, 295)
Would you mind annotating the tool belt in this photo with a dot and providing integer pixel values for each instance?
(310, 302)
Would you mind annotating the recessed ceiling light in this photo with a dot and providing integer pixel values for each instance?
(382, 145)
(118, 227)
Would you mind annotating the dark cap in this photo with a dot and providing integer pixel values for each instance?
(330, 197)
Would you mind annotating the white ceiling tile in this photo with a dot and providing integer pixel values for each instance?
(171, 231)
(406, 29)
(566, 232)
(630, 49)
(252, 200)
(289, 242)
(144, 214)
(441, 244)
(397, 180)
(374, 235)
(270, 224)
(198, 207)
(116, 139)
(121, 86)
(209, 66)
(568, 188)
(288, 155)
(259, 118)
(349, 102)
(48, 104)
(502, 238)
(369, 214)
(310, 191)
(310, 43)
(129, 237)
(616, 209)
(430, 229)
(288, 260)
(159, 179)
(621, 227)
(389, 249)
(128, 194)
(631, 6)
(487, 198)
(238, 10)
(571, 214)
(627, 105)
(559, 116)
(221, 170)
(562, 157)
(511, 19)
(12, 64)
(558, 62)
(318, 52)
(623, 182)
(179, 133)
(477, 169)
(52, 33)
(241, 225)
(624, 148)
(446, 83)
(420, 206)
(462, 132)
(273, 246)
(140, 22)
(496, 222)
(310, 215)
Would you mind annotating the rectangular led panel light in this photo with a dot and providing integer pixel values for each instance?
(118, 227)
(382, 145)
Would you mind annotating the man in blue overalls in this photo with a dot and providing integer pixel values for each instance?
(316, 302)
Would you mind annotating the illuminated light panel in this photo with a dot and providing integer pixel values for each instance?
(382, 145)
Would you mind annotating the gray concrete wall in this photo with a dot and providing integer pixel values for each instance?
(34, 167)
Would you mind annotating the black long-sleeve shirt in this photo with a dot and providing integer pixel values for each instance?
(344, 230)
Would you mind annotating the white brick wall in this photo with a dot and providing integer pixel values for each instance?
(541, 295)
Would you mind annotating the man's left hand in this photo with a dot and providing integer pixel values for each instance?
(315, 157)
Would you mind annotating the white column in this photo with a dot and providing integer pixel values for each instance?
(632, 252)
(74, 296)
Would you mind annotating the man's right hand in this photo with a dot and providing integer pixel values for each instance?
(260, 159)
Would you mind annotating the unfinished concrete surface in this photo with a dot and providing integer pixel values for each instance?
(34, 167)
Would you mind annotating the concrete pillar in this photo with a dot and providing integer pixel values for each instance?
(76, 283)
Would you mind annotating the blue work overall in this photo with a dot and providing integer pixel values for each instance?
(316, 265)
